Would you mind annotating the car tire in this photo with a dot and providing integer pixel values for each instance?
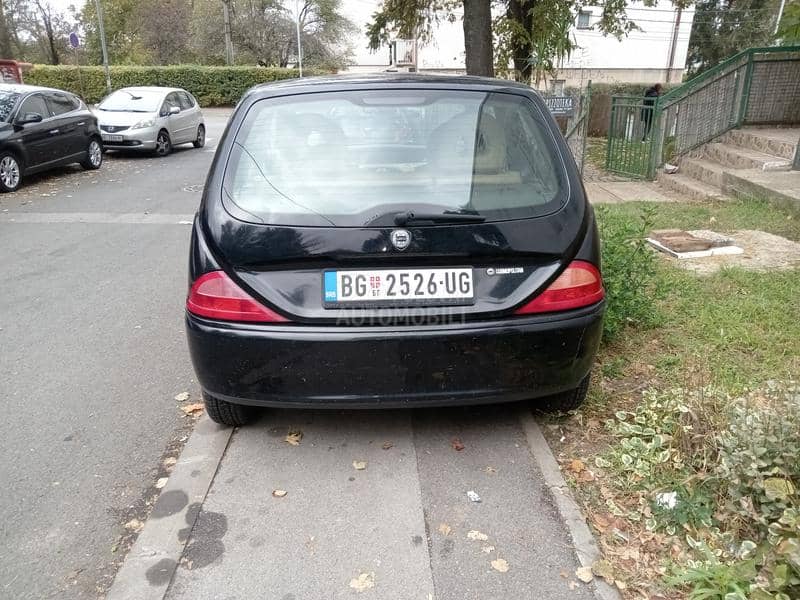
(200, 140)
(10, 172)
(94, 155)
(564, 401)
(163, 143)
(227, 413)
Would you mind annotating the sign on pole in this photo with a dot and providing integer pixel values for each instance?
(74, 40)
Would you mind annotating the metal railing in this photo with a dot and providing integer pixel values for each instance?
(757, 86)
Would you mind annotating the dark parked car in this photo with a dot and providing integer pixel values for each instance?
(42, 128)
(456, 262)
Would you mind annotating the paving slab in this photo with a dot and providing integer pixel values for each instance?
(335, 525)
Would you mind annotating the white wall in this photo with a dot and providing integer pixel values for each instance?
(645, 49)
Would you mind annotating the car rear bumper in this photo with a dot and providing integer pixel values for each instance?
(471, 363)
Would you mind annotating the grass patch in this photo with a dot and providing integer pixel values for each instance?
(685, 455)
(722, 216)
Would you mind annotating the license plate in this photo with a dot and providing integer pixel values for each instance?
(399, 287)
(112, 138)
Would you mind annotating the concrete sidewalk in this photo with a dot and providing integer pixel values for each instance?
(609, 192)
(401, 528)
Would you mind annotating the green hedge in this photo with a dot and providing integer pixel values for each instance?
(212, 86)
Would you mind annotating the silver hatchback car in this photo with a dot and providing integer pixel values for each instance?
(150, 118)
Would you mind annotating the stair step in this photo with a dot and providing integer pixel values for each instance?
(688, 188)
(779, 143)
(702, 170)
(737, 157)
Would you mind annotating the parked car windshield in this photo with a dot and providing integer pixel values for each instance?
(132, 101)
(8, 101)
(360, 158)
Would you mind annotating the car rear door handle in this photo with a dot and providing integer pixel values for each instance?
(53, 132)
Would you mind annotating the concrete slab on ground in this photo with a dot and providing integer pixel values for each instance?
(762, 252)
(611, 192)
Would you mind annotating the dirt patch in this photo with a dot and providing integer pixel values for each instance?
(762, 252)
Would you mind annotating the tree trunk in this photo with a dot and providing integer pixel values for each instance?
(5, 38)
(520, 11)
(478, 37)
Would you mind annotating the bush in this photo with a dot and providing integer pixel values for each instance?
(629, 270)
(212, 86)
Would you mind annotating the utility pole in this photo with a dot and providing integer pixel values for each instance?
(299, 46)
(780, 16)
(101, 29)
(226, 16)
(674, 45)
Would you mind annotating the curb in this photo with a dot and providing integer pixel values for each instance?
(585, 545)
(149, 566)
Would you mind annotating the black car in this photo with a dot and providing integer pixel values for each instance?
(43, 128)
(455, 261)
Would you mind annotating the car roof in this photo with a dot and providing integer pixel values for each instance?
(21, 88)
(152, 88)
(377, 79)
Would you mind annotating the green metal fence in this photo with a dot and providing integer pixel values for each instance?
(755, 87)
(630, 140)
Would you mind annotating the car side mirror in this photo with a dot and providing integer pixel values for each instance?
(174, 110)
(30, 118)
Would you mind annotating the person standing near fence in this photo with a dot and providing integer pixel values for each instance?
(650, 96)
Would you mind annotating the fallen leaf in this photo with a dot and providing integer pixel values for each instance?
(162, 481)
(279, 493)
(170, 461)
(585, 476)
(487, 549)
(603, 568)
(359, 465)
(490, 470)
(134, 525)
(387, 445)
(620, 584)
(182, 397)
(473, 496)
(363, 582)
(584, 574)
(445, 529)
(576, 466)
(600, 522)
(190, 409)
(500, 564)
(457, 444)
(477, 535)
(293, 437)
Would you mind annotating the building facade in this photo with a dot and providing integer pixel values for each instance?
(654, 52)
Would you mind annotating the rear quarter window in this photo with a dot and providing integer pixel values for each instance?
(355, 159)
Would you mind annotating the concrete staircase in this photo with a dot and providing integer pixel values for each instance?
(740, 162)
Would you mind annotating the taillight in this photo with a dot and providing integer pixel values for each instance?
(579, 285)
(216, 296)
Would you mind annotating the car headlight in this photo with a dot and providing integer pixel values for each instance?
(144, 123)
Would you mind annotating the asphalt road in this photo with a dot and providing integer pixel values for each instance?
(92, 352)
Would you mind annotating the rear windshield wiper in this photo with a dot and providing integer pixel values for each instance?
(408, 217)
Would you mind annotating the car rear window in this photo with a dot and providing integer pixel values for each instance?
(7, 102)
(355, 159)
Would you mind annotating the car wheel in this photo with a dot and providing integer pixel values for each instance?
(227, 413)
(94, 155)
(565, 401)
(163, 143)
(200, 140)
(10, 173)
